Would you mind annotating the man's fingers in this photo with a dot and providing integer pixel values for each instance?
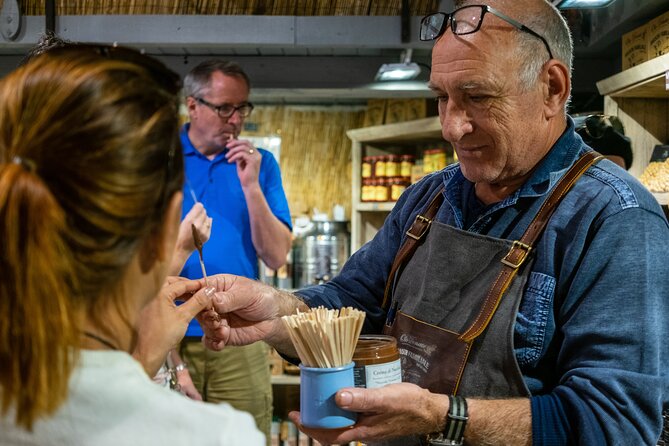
(358, 400)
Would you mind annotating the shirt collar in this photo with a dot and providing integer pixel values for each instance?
(190, 150)
(548, 172)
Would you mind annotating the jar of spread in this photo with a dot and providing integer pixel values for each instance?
(380, 166)
(382, 190)
(368, 191)
(392, 165)
(367, 165)
(377, 361)
(406, 164)
(397, 187)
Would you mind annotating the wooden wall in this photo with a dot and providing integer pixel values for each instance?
(231, 7)
(646, 122)
(315, 152)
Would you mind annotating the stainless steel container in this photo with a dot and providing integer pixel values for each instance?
(320, 252)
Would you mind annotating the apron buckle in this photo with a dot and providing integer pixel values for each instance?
(419, 225)
(516, 255)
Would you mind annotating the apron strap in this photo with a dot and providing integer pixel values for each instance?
(418, 229)
(521, 248)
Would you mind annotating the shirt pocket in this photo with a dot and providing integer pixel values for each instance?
(532, 318)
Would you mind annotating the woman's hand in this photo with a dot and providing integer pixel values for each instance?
(162, 324)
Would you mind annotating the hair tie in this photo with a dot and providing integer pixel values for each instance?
(26, 163)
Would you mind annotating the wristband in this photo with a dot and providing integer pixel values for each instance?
(180, 367)
(456, 420)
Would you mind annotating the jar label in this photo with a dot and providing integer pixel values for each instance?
(378, 375)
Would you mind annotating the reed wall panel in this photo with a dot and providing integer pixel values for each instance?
(231, 7)
(315, 152)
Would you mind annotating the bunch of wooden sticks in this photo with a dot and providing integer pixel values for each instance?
(325, 338)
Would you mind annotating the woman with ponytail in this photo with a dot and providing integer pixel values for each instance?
(90, 200)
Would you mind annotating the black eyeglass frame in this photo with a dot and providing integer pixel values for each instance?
(233, 108)
(169, 80)
(595, 125)
(484, 9)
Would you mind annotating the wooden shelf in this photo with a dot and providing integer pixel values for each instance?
(646, 80)
(371, 207)
(402, 137)
(289, 380)
(410, 131)
(662, 197)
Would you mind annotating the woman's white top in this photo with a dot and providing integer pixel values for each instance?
(113, 402)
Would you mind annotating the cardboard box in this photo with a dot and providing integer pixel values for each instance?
(375, 113)
(396, 111)
(400, 110)
(635, 47)
(657, 36)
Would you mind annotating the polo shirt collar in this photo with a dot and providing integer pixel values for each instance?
(190, 150)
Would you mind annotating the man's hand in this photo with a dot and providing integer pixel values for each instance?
(246, 311)
(386, 412)
(248, 160)
(162, 324)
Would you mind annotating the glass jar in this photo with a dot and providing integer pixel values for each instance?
(377, 361)
(380, 167)
(382, 190)
(427, 161)
(366, 170)
(397, 186)
(438, 159)
(406, 164)
(368, 190)
(392, 166)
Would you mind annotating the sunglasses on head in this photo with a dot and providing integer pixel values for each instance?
(163, 76)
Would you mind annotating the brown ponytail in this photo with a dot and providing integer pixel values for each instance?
(89, 160)
(37, 332)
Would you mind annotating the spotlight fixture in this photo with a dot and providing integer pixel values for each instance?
(581, 4)
(405, 70)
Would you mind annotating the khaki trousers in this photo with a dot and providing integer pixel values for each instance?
(239, 376)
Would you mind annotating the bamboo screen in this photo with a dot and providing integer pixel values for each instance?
(231, 7)
(315, 152)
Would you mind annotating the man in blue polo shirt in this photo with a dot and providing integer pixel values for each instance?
(241, 190)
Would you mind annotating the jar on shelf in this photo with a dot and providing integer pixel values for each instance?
(392, 166)
(434, 160)
(380, 167)
(439, 159)
(368, 190)
(397, 186)
(382, 190)
(406, 164)
(367, 165)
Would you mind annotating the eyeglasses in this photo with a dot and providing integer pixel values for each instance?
(163, 76)
(226, 110)
(467, 20)
(594, 126)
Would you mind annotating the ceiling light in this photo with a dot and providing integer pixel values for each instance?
(405, 70)
(581, 4)
(397, 72)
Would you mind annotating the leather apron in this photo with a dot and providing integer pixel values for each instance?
(445, 286)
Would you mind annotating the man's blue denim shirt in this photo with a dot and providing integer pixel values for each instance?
(592, 332)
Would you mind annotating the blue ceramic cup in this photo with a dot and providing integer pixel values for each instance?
(318, 387)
